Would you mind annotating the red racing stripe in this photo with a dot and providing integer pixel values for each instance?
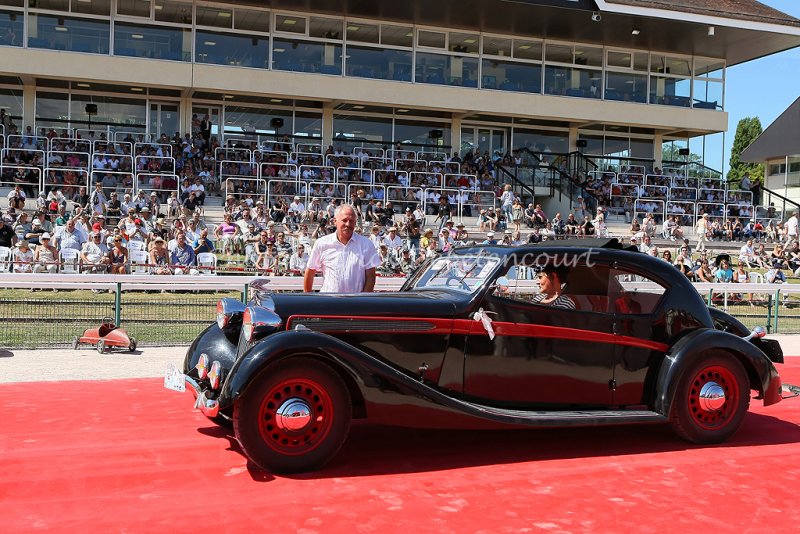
(471, 327)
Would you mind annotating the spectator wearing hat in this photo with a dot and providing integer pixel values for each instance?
(406, 262)
(23, 258)
(393, 242)
(412, 231)
(445, 242)
(490, 240)
(443, 211)
(45, 255)
(389, 264)
(34, 232)
(159, 257)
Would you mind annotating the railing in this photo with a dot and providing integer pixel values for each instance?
(138, 303)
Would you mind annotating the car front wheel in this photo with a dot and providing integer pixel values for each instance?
(294, 417)
(712, 399)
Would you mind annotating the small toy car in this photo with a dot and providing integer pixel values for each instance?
(107, 336)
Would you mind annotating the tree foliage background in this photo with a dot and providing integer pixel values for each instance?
(746, 132)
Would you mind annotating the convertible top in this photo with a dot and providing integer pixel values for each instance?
(594, 242)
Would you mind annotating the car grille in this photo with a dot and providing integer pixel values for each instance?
(243, 345)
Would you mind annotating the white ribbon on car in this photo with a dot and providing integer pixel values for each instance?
(483, 317)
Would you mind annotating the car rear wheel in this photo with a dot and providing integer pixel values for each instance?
(132, 344)
(712, 399)
(101, 346)
(294, 417)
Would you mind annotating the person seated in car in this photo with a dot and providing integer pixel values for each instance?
(551, 281)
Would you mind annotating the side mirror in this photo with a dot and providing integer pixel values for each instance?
(501, 284)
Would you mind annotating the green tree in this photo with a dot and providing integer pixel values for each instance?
(746, 132)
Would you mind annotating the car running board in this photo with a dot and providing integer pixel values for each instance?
(564, 418)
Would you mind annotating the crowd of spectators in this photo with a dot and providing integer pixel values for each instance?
(280, 198)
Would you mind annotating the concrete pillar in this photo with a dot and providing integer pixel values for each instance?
(185, 114)
(455, 135)
(658, 150)
(28, 108)
(573, 138)
(327, 125)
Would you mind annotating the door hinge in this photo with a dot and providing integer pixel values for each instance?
(612, 385)
(422, 370)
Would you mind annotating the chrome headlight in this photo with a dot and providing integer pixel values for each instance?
(227, 309)
(258, 322)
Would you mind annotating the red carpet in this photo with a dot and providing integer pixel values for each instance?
(131, 456)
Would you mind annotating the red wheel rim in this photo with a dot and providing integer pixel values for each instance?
(294, 442)
(713, 419)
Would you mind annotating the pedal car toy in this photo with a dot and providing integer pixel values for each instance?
(107, 336)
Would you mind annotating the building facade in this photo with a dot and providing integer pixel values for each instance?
(623, 78)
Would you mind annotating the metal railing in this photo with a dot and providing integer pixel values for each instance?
(167, 310)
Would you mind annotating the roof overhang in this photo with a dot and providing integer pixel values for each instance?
(736, 40)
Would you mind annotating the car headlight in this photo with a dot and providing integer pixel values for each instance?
(258, 322)
(227, 310)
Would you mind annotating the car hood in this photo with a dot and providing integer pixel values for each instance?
(399, 304)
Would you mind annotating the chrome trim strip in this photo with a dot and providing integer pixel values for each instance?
(208, 407)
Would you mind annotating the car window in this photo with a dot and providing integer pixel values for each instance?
(633, 293)
(583, 285)
(462, 273)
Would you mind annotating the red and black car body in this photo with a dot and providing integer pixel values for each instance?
(456, 348)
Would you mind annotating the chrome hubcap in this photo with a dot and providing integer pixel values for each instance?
(712, 397)
(293, 415)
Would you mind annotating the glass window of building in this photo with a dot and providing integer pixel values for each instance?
(68, 33)
(386, 62)
(217, 17)
(416, 133)
(307, 124)
(431, 39)
(156, 42)
(441, 69)
(350, 131)
(541, 141)
(134, 8)
(395, 35)
(464, 43)
(573, 70)
(256, 20)
(363, 32)
(290, 24)
(626, 76)
(670, 81)
(11, 101)
(11, 27)
(231, 49)
(117, 113)
(172, 11)
(325, 28)
(708, 83)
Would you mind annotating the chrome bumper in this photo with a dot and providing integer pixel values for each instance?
(208, 407)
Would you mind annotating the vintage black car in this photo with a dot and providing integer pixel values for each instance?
(464, 344)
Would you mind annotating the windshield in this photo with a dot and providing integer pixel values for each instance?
(462, 273)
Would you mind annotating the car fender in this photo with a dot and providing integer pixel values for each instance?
(763, 375)
(358, 368)
(214, 342)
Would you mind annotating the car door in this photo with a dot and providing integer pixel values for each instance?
(641, 337)
(543, 356)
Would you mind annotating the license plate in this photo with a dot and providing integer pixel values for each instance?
(174, 379)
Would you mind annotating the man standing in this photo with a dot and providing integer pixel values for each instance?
(791, 228)
(347, 260)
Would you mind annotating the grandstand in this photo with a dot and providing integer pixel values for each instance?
(378, 103)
